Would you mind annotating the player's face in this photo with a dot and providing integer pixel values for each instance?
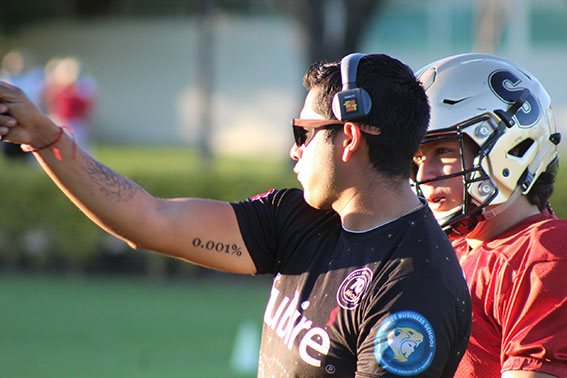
(440, 158)
(315, 167)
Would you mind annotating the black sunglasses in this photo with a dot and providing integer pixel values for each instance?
(304, 129)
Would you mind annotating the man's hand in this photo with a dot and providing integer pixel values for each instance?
(21, 121)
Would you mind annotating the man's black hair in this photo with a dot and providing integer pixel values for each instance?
(399, 108)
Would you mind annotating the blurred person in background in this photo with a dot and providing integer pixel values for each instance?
(366, 283)
(487, 168)
(18, 68)
(70, 96)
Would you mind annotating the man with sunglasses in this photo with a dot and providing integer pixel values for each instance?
(365, 284)
(487, 168)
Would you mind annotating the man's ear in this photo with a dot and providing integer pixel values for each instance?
(353, 138)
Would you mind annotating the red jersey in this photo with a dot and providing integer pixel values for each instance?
(518, 284)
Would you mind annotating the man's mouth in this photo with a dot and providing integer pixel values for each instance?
(436, 202)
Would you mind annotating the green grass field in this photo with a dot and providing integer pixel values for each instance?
(126, 327)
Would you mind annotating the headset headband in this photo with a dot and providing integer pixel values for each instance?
(349, 69)
(352, 102)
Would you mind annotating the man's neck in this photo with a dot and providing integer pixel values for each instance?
(362, 210)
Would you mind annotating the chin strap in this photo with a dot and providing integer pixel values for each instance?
(498, 209)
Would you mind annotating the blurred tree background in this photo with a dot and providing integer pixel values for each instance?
(331, 29)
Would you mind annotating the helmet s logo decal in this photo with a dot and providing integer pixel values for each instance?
(506, 86)
(353, 288)
(405, 343)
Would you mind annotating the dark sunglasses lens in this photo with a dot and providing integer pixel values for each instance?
(300, 135)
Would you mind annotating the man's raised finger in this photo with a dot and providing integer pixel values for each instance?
(7, 121)
(8, 92)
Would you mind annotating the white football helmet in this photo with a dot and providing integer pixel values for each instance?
(506, 112)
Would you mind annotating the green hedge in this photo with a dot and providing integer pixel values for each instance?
(40, 228)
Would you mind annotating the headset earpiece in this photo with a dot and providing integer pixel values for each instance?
(352, 102)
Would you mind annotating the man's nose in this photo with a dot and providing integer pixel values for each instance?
(295, 152)
(426, 169)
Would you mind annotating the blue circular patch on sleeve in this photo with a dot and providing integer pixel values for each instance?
(405, 343)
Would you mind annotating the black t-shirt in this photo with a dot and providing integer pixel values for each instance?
(386, 302)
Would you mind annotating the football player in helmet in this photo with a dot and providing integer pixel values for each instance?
(487, 168)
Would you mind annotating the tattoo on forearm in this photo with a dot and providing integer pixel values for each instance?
(111, 183)
(220, 247)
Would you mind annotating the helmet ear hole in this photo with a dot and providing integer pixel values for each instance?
(521, 148)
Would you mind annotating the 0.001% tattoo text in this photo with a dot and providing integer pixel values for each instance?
(210, 245)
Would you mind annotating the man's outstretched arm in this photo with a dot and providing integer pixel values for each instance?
(204, 232)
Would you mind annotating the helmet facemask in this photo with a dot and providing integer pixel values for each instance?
(463, 218)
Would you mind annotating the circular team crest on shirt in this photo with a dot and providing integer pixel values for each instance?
(353, 288)
(405, 343)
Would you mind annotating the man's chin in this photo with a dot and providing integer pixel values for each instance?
(314, 203)
(442, 216)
